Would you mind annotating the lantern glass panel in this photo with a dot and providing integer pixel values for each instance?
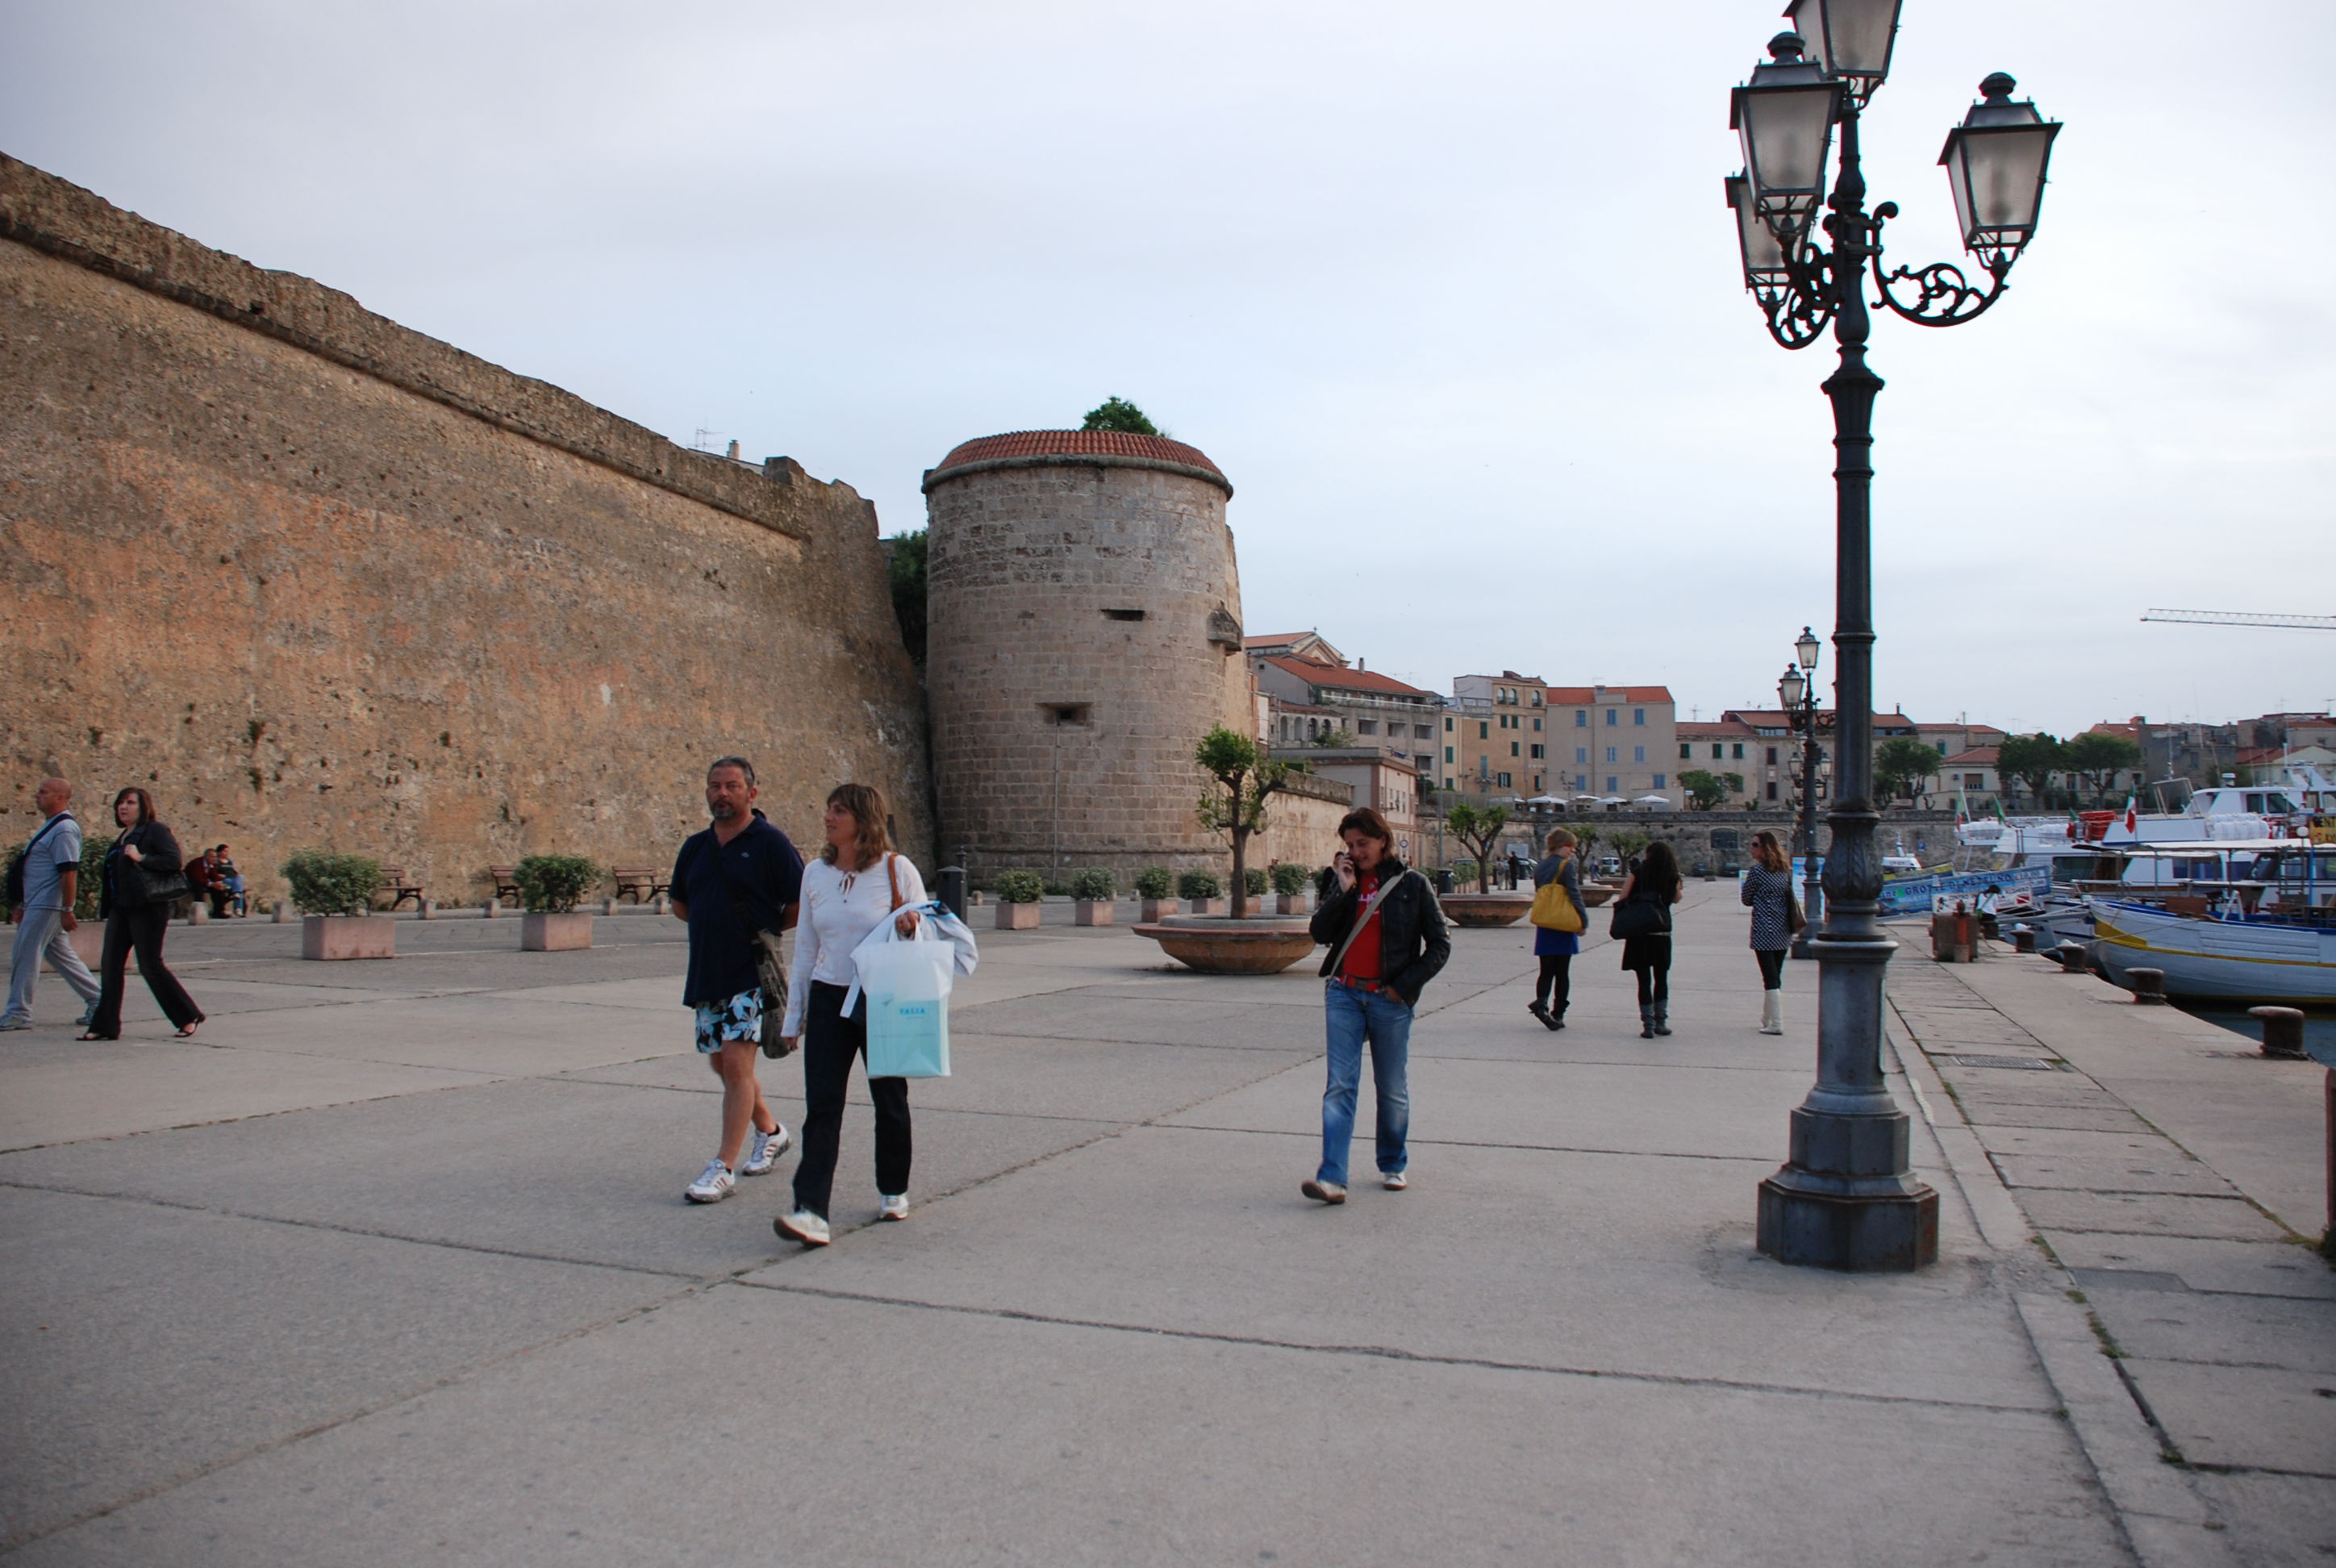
(1758, 245)
(1804, 648)
(1786, 133)
(1849, 37)
(1792, 687)
(1997, 175)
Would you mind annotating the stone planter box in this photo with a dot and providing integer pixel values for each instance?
(1158, 909)
(1212, 909)
(1485, 908)
(547, 934)
(1017, 917)
(333, 937)
(89, 941)
(1216, 946)
(1092, 912)
(1289, 905)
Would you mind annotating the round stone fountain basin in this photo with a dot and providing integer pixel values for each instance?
(1224, 945)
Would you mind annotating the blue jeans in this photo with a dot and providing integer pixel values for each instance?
(1353, 1016)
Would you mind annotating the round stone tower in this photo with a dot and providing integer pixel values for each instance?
(1085, 633)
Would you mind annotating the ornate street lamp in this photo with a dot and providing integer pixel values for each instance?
(1845, 1197)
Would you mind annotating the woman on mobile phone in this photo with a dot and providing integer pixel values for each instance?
(1387, 939)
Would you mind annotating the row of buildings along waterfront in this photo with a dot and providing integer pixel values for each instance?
(1517, 739)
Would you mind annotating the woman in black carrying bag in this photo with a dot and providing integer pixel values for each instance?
(1642, 923)
(143, 882)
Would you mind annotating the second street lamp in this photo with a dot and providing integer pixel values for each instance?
(1845, 1197)
(1798, 690)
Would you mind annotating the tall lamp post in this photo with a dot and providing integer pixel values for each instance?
(1845, 1197)
(1798, 689)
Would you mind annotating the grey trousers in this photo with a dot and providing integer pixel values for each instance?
(44, 932)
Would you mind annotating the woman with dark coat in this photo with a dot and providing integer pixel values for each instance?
(1654, 880)
(146, 854)
(1768, 894)
(1552, 987)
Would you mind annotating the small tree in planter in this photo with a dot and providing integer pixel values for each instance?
(334, 894)
(1201, 890)
(1627, 844)
(1018, 893)
(1096, 891)
(1478, 827)
(1157, 886)
(1248, 780)
(1289, 888)
(552, 885)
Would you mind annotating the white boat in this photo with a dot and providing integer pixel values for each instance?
(2286, 957)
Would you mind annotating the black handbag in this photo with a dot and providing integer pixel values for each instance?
(770, 969)
(145, 888)
(1638, 916)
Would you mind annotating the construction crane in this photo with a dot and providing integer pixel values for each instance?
(2244, 617)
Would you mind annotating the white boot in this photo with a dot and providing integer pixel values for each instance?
(1772, 1012)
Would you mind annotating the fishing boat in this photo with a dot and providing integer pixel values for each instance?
(2250, 922)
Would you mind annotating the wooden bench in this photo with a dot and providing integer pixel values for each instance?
(399, 887)
(644, 884)
(506, 881)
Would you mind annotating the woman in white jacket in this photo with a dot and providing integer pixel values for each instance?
(856, 882)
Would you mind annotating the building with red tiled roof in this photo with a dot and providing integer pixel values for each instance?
(1517, 736)
(1309, 645)
(1060, 448)
(1371, 708)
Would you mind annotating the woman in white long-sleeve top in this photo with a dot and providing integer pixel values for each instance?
(857, 883)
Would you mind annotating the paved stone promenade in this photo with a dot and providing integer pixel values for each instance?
(392, 1267)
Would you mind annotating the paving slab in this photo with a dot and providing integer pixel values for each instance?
(2219, 1329)
(577, 1172)
(2170, 1171)
(2262, 1419)
(2148, 1215)
(933, 1436)
(1548, 1259)
(2273, 1268)
(265, 1331)
(2274, 1519)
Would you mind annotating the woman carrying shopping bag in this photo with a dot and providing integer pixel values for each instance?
(1557, 927)
(1642, 920)
(1775, 916)
(856, 884)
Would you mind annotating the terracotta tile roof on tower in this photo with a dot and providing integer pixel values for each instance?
(1331, 675)
(1077, 442)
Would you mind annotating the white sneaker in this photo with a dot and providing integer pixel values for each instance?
(1394, 1181)
(893, 1205)
(803, 1226)
(764, 1151)
(715, 1184)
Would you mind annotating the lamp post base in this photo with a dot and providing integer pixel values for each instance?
(1895, 1233)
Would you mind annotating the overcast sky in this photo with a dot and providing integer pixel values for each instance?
(1448, 291)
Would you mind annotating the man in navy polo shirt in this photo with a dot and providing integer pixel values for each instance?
(739, 876)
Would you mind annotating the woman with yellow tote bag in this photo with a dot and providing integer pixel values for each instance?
(1557, 928)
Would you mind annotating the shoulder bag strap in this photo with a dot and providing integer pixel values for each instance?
(892, 876)
(1363, 919)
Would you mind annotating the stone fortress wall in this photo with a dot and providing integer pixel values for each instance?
(319, 580)
(1084, 615)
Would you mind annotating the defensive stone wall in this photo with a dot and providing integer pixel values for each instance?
(316, 579)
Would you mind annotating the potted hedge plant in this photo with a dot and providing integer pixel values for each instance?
(1289, 880)
(1202, 891)
(1096, 890)
(552, 885)
(1018, 893)
(1157, 886)
(334, 894)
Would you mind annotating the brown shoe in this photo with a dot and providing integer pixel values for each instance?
(1323, 1191)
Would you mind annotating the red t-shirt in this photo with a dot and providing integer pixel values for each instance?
(1362, 961)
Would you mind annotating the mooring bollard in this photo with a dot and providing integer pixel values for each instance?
(2148, 987)
(2070, 957)
(2282, 1030)
(2023, 938)
(278, 914)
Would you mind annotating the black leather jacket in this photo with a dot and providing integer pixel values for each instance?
(1414, 943)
